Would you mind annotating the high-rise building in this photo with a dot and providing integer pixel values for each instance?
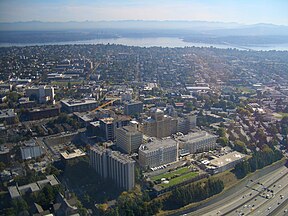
(133, 108)
(30, 150)
(128, 139)
(158, 152)
(186, 123)
(107, 127)
(113, 165)
(159, 125)
(42, 94)
(198, 142)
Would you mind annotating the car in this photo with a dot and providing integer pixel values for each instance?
(286, 210)
(269, 208)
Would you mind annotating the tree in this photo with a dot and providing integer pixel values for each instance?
(223, 141)
(221, 132)
(240, 146)
(2, 166)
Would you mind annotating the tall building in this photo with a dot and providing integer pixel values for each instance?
(30, 150)
(128, 139)
(159, 125)
(107, 127)
(185, 124)
(158, 152)
(133, 108)
(42, 94)
(198, 142)
(113, 165)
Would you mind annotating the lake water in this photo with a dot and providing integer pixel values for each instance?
(159, 42)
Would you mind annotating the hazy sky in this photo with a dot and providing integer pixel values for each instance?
(242, 11)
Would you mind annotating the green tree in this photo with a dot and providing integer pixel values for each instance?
(240, 146)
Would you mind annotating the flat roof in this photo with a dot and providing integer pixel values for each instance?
(226, 159)
(7, 113)
(108, 120)
(13, 192)
(198, 88)
(70, 155)
(196, 136)
(157, 144)
(49, 179)
(129, 129)
(72, 103)
(33, 187)
(123, 158)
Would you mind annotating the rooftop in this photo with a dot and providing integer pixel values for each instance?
(108, 120)
(156, 144)
(196, 136)
(7, 113)
(70, 155)
(129, 129)
(123, 158)
(13, 192)
(17, 191)
(77, 102)
(226, 159)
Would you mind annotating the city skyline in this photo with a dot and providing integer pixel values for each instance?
(244, 12)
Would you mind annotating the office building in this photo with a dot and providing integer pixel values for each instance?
(225, 162)
(133, 108)
(186, 123)
(158, 152)
(197, 142)
(107, 127)
(71, 106)
(30, 150)
(37, 114)
(159, 125)
(8, 116)
(113, 165)
(128, 139)
(42, 94)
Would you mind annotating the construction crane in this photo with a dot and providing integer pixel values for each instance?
(105, 104)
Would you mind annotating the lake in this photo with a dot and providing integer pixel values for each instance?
(170, 42)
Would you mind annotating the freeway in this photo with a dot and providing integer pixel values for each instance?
(250, 190)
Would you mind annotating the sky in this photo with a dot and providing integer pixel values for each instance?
(240, 11)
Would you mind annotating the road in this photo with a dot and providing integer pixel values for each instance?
(251, 199)
(232, 195)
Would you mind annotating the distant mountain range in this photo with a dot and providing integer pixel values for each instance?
(215, 28)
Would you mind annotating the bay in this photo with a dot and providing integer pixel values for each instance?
(170, 42)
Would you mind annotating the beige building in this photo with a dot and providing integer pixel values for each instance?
(197, 142)
(159, 125)
(158, 152)
(113, 165)
(128, 139)
(43, 94)
(226, 162)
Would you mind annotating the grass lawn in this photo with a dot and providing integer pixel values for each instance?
(179, 179)
(171, 174)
